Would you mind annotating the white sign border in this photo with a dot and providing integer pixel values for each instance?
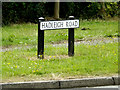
(58, 21)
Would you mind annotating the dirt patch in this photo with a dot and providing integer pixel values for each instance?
(46, 57)
(90, 41)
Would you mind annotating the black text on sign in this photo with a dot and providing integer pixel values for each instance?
(46, 25)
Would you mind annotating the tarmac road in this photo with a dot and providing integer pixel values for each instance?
(111, 87)
(115, 87)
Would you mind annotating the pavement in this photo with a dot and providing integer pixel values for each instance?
(62, 84)
(92, 88)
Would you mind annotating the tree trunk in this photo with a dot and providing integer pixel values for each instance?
(102, 10)
(56, 9)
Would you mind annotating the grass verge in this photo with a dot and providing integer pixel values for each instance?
(24, 34)
(89, 60)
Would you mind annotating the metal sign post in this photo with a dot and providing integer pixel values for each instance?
(40, 40)
(71, 39)
(61, 24)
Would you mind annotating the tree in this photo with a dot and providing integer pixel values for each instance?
(102, 12)
(56, 9)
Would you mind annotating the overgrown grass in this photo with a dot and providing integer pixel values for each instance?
(89, 60)
(24, 34)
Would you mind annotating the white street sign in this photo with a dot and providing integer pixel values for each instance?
(46, 25)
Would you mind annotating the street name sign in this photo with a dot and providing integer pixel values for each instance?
(62, 24)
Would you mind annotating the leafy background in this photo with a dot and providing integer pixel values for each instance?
(19, 12)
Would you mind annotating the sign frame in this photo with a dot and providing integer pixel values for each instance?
(40, 52)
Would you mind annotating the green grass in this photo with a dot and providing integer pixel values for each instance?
(18, 34)
(89, 60)
(26, 34)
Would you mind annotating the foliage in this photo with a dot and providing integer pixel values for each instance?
(16, 12)
(111, 9)
(89, 10)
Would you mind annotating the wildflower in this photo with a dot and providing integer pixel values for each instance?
(50, 56)
(114, 37)
(8, 63)
(115, 54)
(40, 55)
(54, 56)
(16, 66)
(33, 71)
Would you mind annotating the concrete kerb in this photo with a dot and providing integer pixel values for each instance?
(35, 84)
(116, 80)
(72, 83)
(88, 82)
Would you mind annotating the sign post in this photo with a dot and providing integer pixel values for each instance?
(71, 39)
(40, 39)
(61, 24)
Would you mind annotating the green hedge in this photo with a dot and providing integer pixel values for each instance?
(17, 12)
